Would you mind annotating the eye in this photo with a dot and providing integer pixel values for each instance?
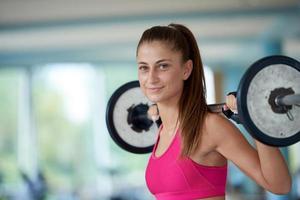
(163, 66)
(143, 68)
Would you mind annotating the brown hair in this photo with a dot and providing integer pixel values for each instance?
(192, 104)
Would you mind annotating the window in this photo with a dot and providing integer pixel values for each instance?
(9, 96)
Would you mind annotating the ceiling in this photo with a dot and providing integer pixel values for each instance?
(234, 32)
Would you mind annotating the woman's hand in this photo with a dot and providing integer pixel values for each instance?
(153, 112)
(231, 103)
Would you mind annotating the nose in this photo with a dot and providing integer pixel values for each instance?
(152, 76)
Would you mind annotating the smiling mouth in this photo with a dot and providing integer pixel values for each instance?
(154, 89)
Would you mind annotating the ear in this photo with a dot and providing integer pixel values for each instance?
(188, 68)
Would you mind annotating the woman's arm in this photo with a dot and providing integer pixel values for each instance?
(274, 168)
(264, 164)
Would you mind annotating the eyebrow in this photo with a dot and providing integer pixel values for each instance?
(159, 61)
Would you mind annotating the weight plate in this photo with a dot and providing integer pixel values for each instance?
(117, 119)
(254, 109)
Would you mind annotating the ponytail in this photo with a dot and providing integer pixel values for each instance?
(192, 105)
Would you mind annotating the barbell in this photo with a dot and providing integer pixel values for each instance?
(268, 105)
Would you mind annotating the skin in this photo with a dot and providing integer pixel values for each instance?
(153, 113)
(162, 73)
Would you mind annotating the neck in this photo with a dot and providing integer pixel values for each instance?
(168, 113)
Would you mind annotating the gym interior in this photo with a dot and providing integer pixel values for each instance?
(60, 61)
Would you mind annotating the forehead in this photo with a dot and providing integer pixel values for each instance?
(156, 48)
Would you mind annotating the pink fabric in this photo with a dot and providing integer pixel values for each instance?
(170, 177)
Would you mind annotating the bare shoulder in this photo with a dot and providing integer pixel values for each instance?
(217, 127)
(214, 121)
(214, 117)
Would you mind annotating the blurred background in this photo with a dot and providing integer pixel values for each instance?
(61, 60)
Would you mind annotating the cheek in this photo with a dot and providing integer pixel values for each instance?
(174, 79)
(141, 75)
(142, 82)
(141, 79)
(176, 84)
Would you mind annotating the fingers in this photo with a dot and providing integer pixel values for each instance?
(231, 103)
(225, 107)
(153, 113)
(154, 118)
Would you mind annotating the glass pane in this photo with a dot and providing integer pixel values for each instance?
(9, 172)
(63, 121)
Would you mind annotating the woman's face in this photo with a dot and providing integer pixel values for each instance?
(161, 72)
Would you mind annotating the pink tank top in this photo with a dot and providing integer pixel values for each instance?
(170, 177)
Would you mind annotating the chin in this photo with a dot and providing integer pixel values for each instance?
(153, 99)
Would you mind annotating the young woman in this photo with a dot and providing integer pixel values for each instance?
(189, 160)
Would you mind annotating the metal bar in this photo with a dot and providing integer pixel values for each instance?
(288, 100)
(216, 108)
